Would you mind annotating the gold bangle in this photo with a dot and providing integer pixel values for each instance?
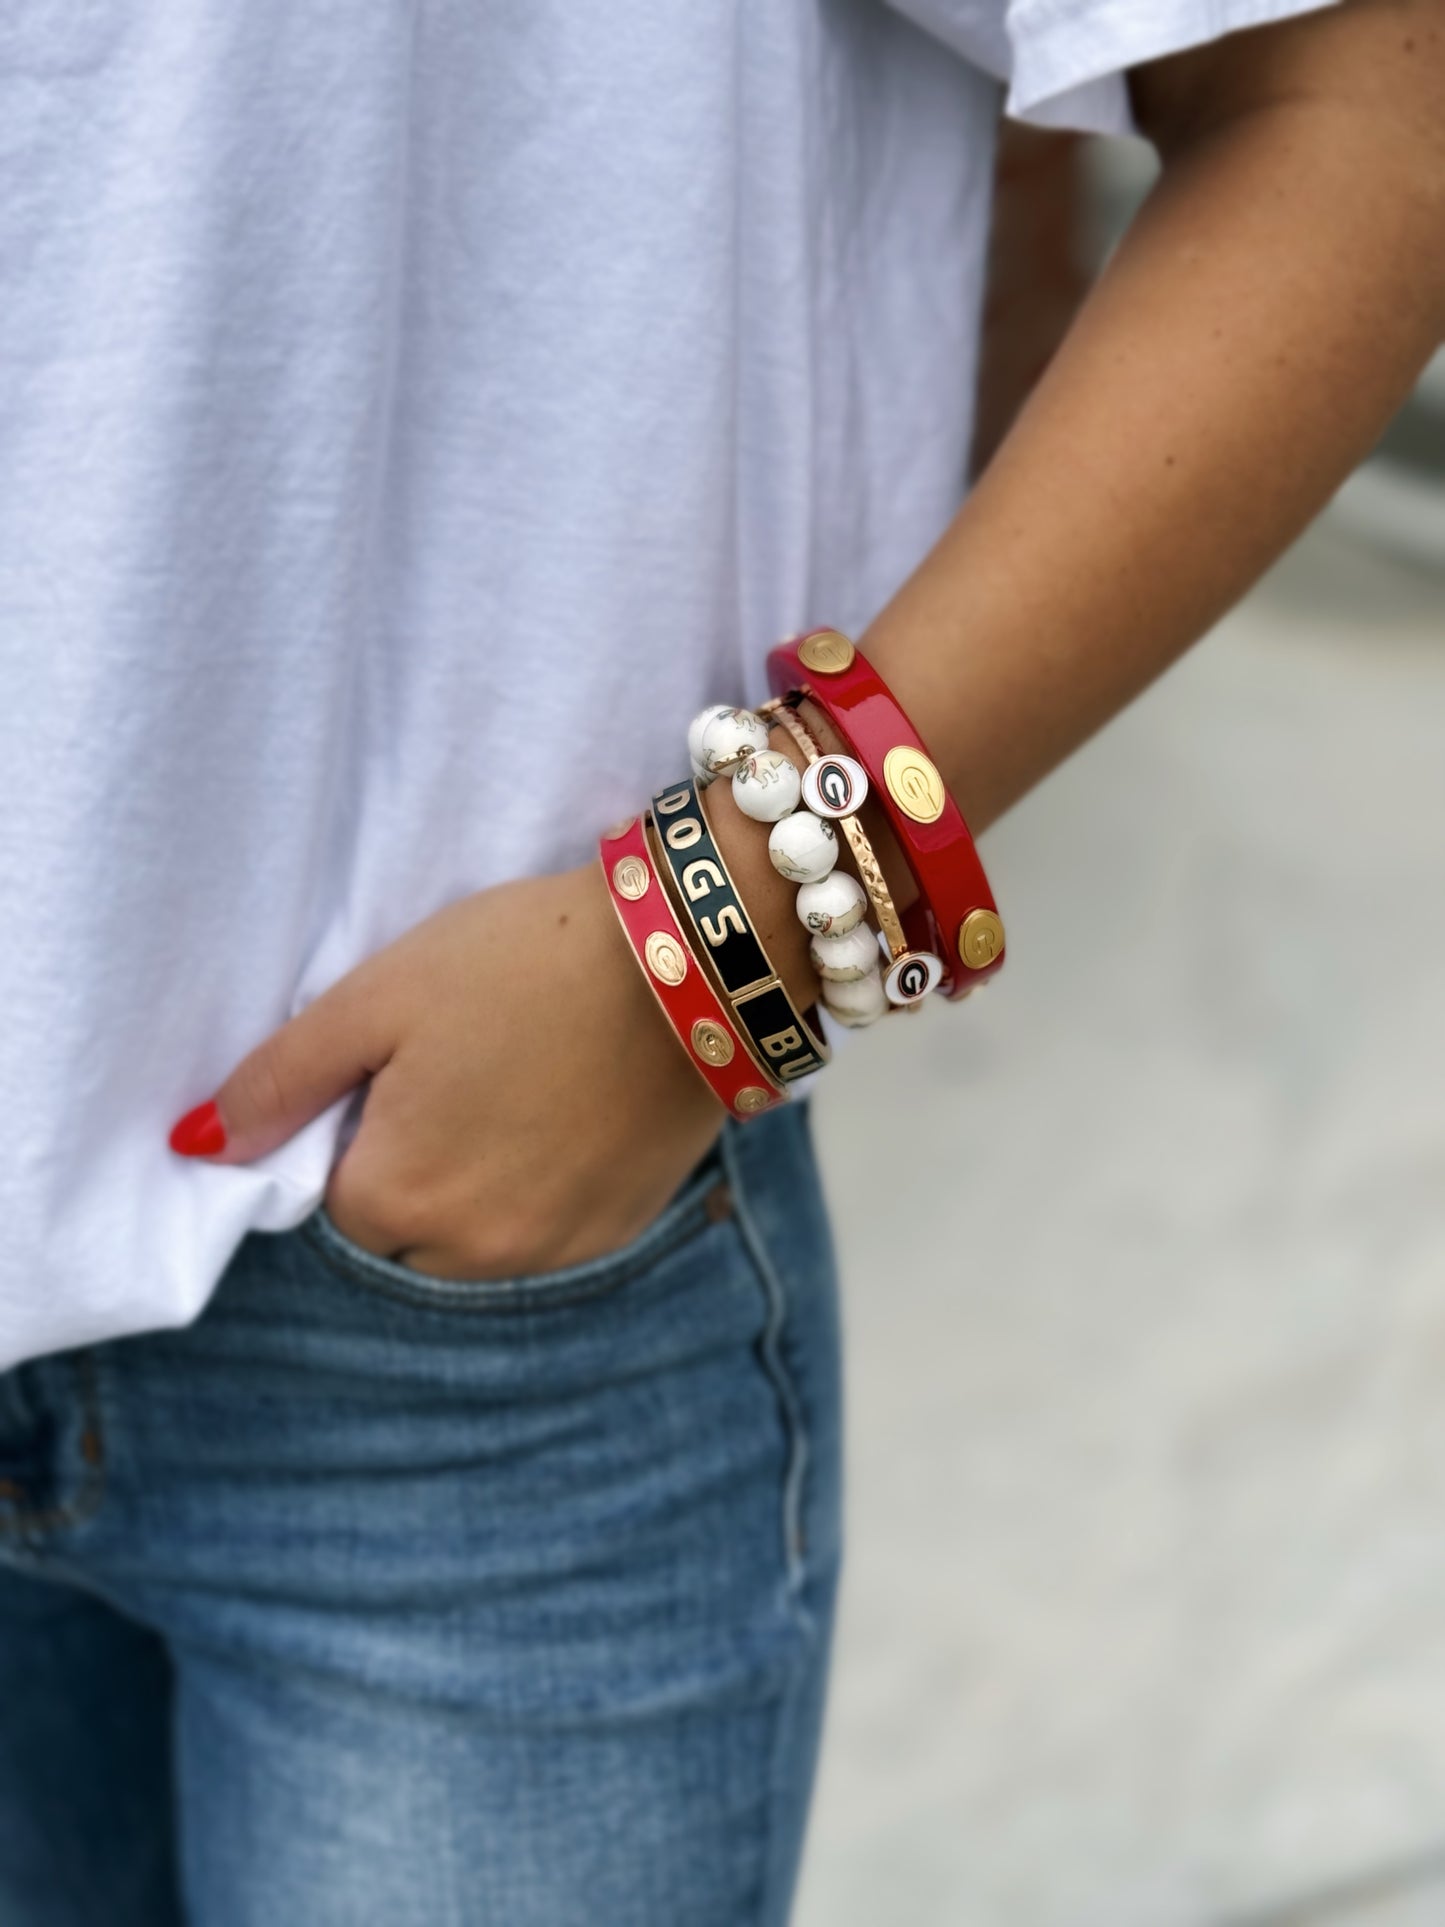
(870, 871)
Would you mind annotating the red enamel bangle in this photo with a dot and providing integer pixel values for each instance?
(676, 978)
(956, 916)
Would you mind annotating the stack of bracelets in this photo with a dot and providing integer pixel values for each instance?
(688, 925)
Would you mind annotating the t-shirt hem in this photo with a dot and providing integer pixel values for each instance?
(1065, 80)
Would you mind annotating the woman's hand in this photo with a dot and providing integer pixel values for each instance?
(528, 1107)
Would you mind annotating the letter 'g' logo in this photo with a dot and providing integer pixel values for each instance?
(914, 784)
(835, 786)
(912, 976)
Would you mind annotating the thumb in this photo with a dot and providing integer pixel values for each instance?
(301, 1070)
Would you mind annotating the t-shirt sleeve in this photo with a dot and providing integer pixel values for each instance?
(1063, 62)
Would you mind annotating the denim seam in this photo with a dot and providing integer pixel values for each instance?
(790, 1405)
(92, 1488)
(783, 1723)
(503, 1298)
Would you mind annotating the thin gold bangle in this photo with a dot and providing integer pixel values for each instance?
(870, 870)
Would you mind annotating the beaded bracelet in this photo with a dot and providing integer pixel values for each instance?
(721, 738)
(845, 795)
(803, 846)
(837, 786)
(956, 915)
(843, 950)
(703, 886)
(676, 978)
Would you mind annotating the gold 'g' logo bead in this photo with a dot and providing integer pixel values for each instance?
(666, 958)
(711, 1042)
(630, 878)
(828, 653)
(753, 1098)
(980, 939)
(913, 783)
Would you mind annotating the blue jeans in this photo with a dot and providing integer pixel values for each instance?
(376, 1598)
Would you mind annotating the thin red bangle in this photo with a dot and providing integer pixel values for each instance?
(956, 916)
(675, 974)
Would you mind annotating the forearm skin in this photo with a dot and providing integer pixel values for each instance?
(1267, 312)
(1265, 315)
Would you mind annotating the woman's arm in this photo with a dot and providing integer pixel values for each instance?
(1266, 313)
(1268, 310)
(1264, 316)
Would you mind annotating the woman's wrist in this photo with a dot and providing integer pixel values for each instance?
(785, 815)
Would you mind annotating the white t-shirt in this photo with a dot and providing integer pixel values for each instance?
(383, 388)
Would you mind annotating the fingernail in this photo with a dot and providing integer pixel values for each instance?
(200, 1133)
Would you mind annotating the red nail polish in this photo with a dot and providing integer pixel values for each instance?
(200, 1133)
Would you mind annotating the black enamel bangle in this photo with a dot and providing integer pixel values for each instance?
(786, 1042)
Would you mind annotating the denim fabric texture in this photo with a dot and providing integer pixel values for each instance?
(375, 1600)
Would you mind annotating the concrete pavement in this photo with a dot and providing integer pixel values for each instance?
(1144, 1256)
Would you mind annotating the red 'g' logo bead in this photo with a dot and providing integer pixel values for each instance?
(835, 786)
(912, 976)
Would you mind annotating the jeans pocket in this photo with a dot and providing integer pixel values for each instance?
(700, 1201)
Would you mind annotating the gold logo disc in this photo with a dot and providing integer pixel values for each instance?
(913, 783)
(828, 653)
(980, 938)
(711, 1042)
(666, 958)
(630, 878)
(753, 1098)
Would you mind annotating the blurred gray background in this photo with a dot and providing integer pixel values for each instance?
(1144, 1261)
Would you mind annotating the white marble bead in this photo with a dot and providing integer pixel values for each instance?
(694, 732)
(912, 977)
(858, 1003)
(834, 906)
(767, 786)
(803, 847)
(843, 960)
(835, 786)
(720, 738)
(701, 775)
